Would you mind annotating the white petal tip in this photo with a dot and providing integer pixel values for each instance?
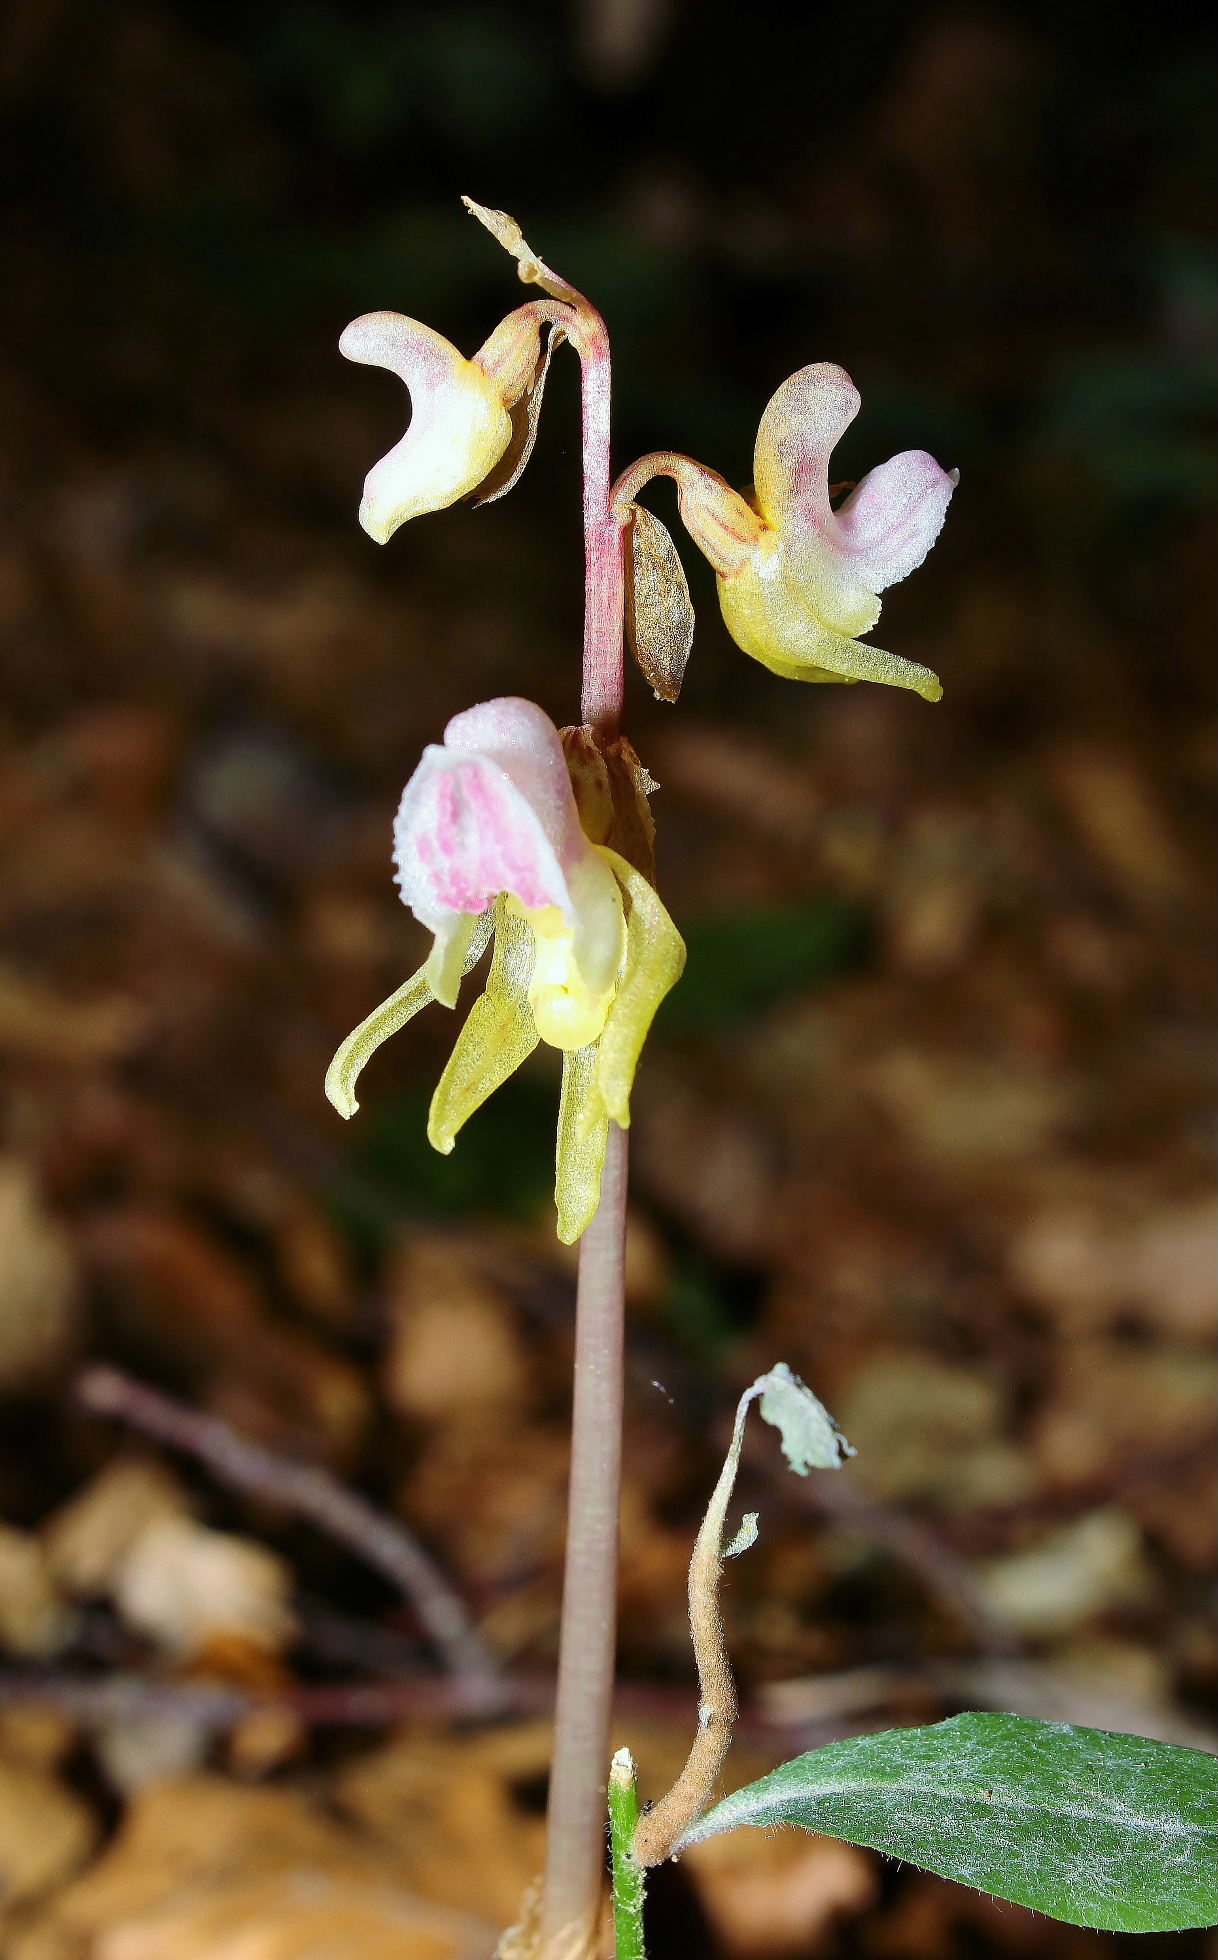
(379, 529)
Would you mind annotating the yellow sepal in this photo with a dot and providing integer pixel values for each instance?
(653, 962)
(362, 1043)
(417, 992)
(583, 1132)
(498, 1035)
(772, 622)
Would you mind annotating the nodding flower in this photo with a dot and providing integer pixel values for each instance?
(472, 422)
(488, 843)
(799, 580)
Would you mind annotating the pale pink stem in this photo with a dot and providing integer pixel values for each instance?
(575, 1844)
(604, 673)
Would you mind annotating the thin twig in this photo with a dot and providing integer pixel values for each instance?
(313, 1493)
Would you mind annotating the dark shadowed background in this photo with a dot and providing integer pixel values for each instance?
(927, 1116)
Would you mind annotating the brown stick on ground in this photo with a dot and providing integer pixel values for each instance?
(313, 1493)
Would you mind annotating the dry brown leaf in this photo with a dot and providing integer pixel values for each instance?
(446, 1804)
(37, 1734)
(776, 1895)
(1114, 1407)
(1074, 1573)
(138, 1751)
(925, 1429)
(494, 1496)
(1121, 818)
(89, 1539)
(964, 1110)
(184, 1586)
(296, 1916)
(38, 1281)
(659, 616)
(177, 1287)
(45, 1024)
(34, 1618)
(45, 1832)
(750, 784)
(1093, 1262)
(454, 1351)
(203, 1869)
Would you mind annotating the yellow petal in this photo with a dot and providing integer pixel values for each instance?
(583, 1131)
(771, 619)
(472, 936)
(498, 1034)
(653, 962)
(363, 1042)
(459, 944)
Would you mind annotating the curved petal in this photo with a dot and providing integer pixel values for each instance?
(653, 963)
(583, 1133)
(768, 621)
(803, 423)
(498, 1035)
(890, 522)
(417, 992)
(362, 1043)
(459, 425)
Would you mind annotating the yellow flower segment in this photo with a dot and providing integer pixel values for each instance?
(466, 824)
(810, 584)
(798, 580)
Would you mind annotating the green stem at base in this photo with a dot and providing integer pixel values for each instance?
(629, 1878)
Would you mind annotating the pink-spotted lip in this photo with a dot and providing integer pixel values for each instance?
(477, 842)
(491, 810)
(465, 833)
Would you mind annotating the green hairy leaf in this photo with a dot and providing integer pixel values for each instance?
(1110, 1831)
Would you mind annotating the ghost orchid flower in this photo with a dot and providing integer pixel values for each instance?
(472, 423)
(488, 843)
(798, 580)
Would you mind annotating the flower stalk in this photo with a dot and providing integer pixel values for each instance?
(574, 1871)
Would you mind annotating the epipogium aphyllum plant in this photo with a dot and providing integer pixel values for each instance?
(542, 841)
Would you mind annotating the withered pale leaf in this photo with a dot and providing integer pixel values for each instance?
(525, 412)
(659, 615)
